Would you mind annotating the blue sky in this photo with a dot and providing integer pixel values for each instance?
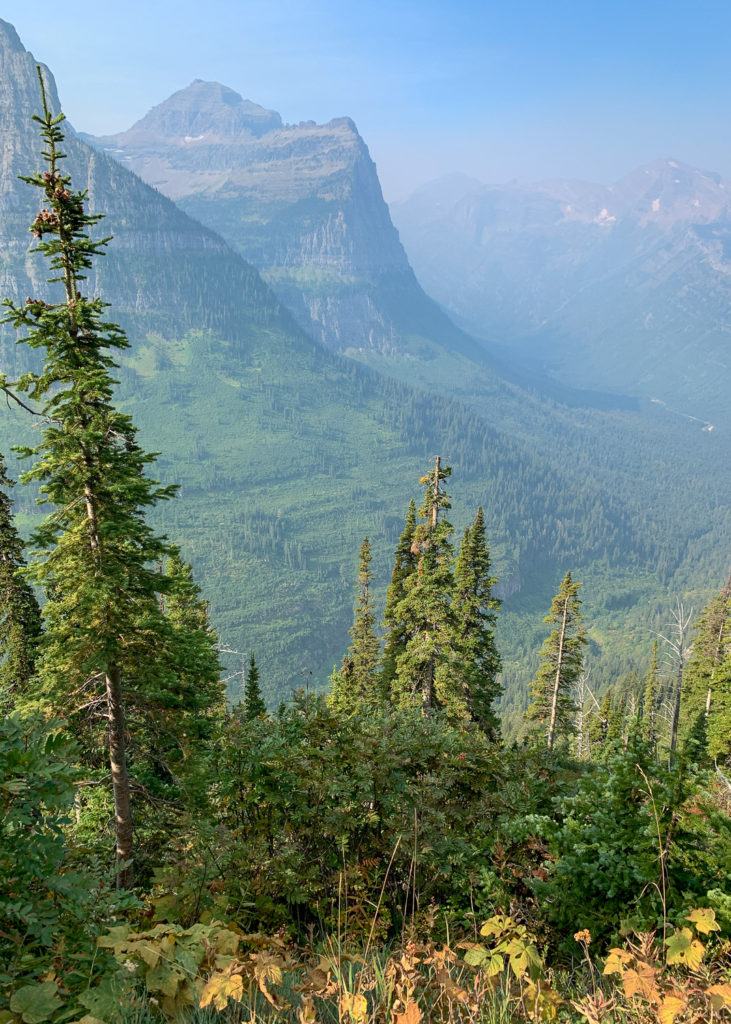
(511, 90)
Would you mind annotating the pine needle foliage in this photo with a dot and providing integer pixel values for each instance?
(404, 565)
(562, 661)
(20, 616)
(478, 663)
(194, 641)
(359, 684)
(650, 701)
(707, 684)
(425, 610)
(107, 641)
(254, 705)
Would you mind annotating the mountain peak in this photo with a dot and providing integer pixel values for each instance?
(667, 191)
(20, 95)
(9, 38)
(203, 111)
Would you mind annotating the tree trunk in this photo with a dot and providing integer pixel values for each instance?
(435, 510)
(676, 707)
(120, 779)
(427, 689)
(557, 681)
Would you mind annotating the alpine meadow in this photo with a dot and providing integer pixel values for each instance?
(365, 650)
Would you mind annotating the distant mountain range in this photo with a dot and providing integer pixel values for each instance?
(624, 287)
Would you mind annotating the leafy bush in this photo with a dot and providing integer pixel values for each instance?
(49, 912)
(318, 814)
(607, 840)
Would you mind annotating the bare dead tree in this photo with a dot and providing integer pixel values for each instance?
(676, 655)
(582, 696)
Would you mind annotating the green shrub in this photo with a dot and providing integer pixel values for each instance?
(50, 912)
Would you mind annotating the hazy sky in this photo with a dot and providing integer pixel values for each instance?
(522, 89)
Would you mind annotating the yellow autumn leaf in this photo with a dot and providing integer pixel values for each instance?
(354, 1005)
(226, 941)
(684, 949)
(315, 981)
(411, 1015)
(453, 990)
(720, 996)
(220, 988)
(542, 1000)
(640, 981)
(669, 1009)
(495, 965)
(617, 961)
(496, 925)
(704, 920)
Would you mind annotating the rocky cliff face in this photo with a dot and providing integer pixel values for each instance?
(301, 202)
(625, 286)
(160, 258)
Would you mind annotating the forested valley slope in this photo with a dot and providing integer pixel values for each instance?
(288, 455)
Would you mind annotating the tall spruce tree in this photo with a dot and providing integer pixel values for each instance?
(254, 705)
(196, 702)
(650, 701)
(476, 667)
(396, 635)
(359, 684)
(20, 616)
(707, 685)
(425, 610)
(562, 661)
(95, 554)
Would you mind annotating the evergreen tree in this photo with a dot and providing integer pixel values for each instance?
(198, 700)
(599, 729)
(478, 663)
(616, 720)
(422, 676)
(107, 640)
(650, 702)
(707, 681)
(404, 564)
(254, 705)
(358, 684)
(562, 661)
(20, 616)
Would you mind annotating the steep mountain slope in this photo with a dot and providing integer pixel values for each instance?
(625, 287)
(301, 202)
(286, 454)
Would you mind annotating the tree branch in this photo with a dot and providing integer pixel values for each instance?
(10, 394)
